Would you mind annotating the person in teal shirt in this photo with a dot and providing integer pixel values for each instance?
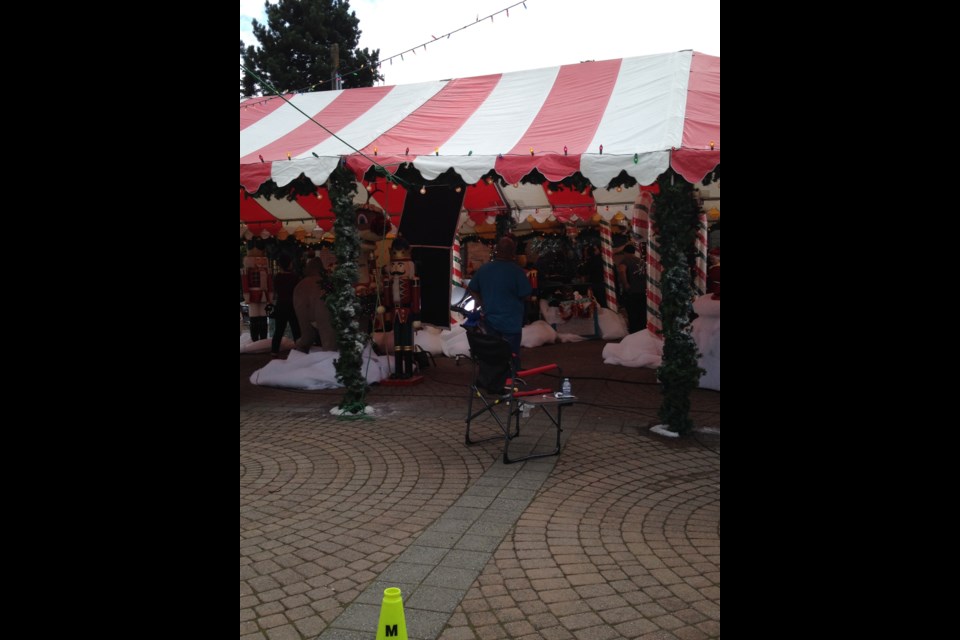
(501, 287)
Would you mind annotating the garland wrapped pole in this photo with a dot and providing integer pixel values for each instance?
(344, 305)
(675, 220)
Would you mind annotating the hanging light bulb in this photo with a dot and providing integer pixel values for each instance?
(619, 188)
(319, 196)
(393, 185)
(423, 190)
(458, 189)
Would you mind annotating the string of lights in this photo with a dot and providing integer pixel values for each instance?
(343, 74)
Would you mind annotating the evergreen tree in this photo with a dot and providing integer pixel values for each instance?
(296, 49)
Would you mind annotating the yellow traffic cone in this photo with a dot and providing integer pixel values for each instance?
(392, 623)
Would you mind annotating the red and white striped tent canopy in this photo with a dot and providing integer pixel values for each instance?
(638, 115)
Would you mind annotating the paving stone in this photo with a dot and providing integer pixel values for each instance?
(331, 516)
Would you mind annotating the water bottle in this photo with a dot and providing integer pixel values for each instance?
(566, 388)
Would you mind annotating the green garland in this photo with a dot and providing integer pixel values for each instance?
(675, 219)
(344, 305)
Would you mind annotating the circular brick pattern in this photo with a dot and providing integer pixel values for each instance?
(623, 541)
(326, 505)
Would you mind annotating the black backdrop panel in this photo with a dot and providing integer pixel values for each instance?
(431, 219)
(433, 268)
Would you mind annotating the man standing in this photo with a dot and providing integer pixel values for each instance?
(501, 287)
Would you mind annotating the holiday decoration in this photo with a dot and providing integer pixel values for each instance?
(343, 300)
(700, 267)
(606, 251)
(402, 294)
(456, 268)
(675, 222)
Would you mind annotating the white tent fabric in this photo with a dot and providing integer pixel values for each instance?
(638, 115)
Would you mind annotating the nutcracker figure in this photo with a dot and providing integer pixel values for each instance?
(402, 295)
(257, 289)
(372, 226)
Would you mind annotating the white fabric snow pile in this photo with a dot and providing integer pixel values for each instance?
(612, 325)
(643, 349)
(428, 338)
(640, 349)
(537, 334)
(315, 370)
(262, 346)
(453, 342)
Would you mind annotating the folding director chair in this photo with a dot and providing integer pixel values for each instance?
(495, 384)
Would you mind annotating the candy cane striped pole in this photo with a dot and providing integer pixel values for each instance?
(654, 273)
(700, 266)
(456, 268)
(638, 228)
(641, 217)
(642, 207)
(606, 248)
(456, 260)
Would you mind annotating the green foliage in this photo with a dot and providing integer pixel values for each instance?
(675, 219)
(299, 186)
(505, 224)
(344, 304)
(295, 51)
(623, 179)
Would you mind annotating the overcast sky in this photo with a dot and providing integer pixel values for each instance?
(547, 33)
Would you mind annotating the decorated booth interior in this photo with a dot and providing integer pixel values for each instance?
(590, 167)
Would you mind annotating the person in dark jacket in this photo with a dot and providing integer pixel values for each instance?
(632, 274)
(284, 313)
